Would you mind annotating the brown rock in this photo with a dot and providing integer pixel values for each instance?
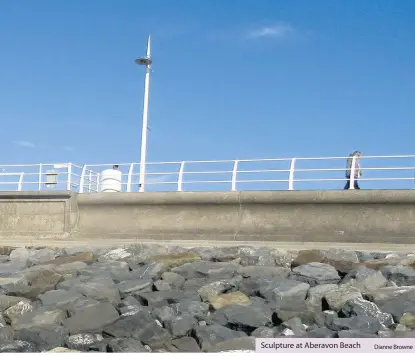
(176, 259)
(308, 256)
(39, 282)
(377, 264)
(5, 250)
(87, 257)
(342, 266)
(229, 299)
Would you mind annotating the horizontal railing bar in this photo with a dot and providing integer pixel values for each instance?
(263, 171)
(403, 178)
(205, 181)
(262, 180)
(207, 172)
(160, 183)
(251, 160)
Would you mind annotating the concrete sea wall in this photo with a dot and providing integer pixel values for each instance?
(365, 216)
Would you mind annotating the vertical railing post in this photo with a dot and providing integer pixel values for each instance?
(352, 171)
(19, 185)
(69, 181)
(234, 175)
(40, 177)
(180, 178)
(89, 181)
(82, 180)
(291, 175)
(97, 181)
(129, 178)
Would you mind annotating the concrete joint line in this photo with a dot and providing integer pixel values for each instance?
(240, 216)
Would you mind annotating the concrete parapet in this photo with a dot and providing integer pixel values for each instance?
(292, 216)
(36, 214)
(365, 216)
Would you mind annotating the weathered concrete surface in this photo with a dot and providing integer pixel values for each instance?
(36, 214)
(292, 217)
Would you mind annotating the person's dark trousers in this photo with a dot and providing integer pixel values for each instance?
(356, 184)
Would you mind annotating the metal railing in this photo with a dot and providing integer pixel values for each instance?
(322, 173)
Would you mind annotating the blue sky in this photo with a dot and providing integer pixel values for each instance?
(231, 79)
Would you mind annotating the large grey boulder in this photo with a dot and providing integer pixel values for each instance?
(398, 306)
(164, 314)
(152, 270)
(213, 289)
(139, 326)
(198, 310)
(40, 256)
(286, 293)
(102, 289)
(360, 306)
(365, 323)
(203, 269)
(180, 325)
(20, 255)
(71, 269)
(134, 286)
(186, 344)
(126, 345)
(316, 294)
(401, 275)
(10, 268)
(59, 297)
(44, 337)
(222, 254)
(210, 335)
(161, 285)
(175, 280)
(79, 305)
(336, 298)
(7, 301)
(382, 295)
(161, 298)
(92, 319)
(342, 260)
(260, 286)
(315, 273)
(17, 311)
(256, 256)
(365, 279)
(18, 346)
(38, 317)
(243, 317)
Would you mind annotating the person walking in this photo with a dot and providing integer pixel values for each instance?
(357, 171)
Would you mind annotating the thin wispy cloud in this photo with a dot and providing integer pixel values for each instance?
(68, 148)
(279, 31)
(26, 144)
